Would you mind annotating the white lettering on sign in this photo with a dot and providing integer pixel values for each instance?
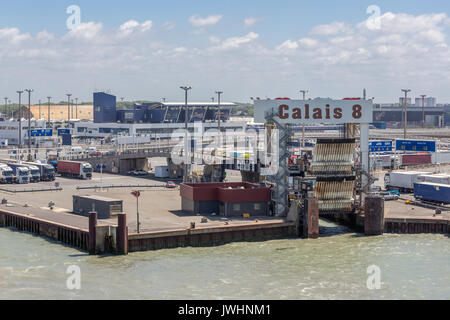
(315, 111)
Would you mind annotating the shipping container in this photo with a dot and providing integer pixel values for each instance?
(440, 157)
(415, 159)
(434, 192)
(434, 178)
(162, 172)
(403, 181)
(81, 170)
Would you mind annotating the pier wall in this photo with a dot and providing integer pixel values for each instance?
(66, 234)
(208, 237)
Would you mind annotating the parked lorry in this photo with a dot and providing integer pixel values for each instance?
(402, 181)
(6, 174)
(434, 178)
(35, 173)
(75, 169)
(433, 192)
(47, 171)
(21, 173)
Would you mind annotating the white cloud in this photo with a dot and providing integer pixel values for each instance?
(13, 35)
(86, 31)
(250, 21)
(287, 45)
(308, 42)
(197, 21)
(131, 26)
(330, 29)
(236, 42)
(168, 25)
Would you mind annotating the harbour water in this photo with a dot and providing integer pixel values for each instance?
(332, 267)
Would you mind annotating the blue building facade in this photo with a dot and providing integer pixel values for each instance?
(104, 107)
(153, 112)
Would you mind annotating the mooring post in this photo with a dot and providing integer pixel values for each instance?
(92, 232)
(311, 218)
(374, 216)
(122, 234)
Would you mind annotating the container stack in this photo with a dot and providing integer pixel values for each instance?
(335, 179)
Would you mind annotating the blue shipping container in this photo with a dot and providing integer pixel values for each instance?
(432, 192)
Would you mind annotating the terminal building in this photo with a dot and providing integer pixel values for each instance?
(159, 119)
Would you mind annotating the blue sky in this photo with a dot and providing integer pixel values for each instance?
(281, 52)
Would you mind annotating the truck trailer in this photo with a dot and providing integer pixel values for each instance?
(434, 178)
(47, 171)
(21, 173)
(75, 169)
(402, 181)
(433, 192)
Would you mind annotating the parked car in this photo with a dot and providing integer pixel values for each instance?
(95, 154)
(138, 173)
(171, 185)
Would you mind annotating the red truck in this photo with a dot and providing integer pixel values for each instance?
(75, 169)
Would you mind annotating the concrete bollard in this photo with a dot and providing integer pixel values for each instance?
(122, 234)
(374, 216)
(92, 232)
(311, 218)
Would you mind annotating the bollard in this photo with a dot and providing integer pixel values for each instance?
(311, 218)
(92, 232)
(122, 234)
(373, 216)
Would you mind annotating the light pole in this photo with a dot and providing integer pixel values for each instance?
(186, 145)
(68, 109)
(29, 122)
(423, 110)
(76, 108)
(406, 117)
(20, 120)
(48, 111)
(6, 107)
(303, 126)
(218, 111)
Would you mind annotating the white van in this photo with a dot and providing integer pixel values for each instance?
(91, 149)
(76, 150)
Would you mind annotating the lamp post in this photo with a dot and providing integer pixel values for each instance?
(6, 107)
(186, 89)
(218, 110)
(406, 117)
(48, 111)
(68, 109)
(29, 122)
(303, 126)
(423, 110)
(76, 108)
(20, 120)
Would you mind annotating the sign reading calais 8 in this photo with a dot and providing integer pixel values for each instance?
(315, 111)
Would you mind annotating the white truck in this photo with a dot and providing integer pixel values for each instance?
(402, 181)
(21, 173)
(6, 174)
(434, 178)
(35, 173)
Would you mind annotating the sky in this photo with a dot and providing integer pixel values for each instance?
(146, 50)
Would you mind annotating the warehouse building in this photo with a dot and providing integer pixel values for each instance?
(231, 199)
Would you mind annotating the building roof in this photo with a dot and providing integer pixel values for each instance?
(200, 104)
